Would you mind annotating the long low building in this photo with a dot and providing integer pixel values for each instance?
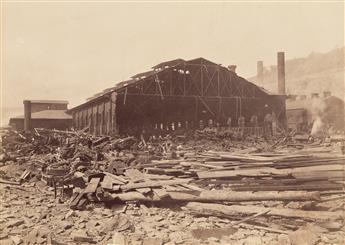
(173, 94)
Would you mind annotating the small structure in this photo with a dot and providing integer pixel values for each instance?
(297, 119)
(303, 113)
(43, 114)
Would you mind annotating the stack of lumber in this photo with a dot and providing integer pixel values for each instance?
(257, 172)
(137, 186)
(236, 186)
(232, 178)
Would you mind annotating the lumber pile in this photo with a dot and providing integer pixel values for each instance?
(257, 172)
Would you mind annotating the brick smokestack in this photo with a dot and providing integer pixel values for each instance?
(281, 72)
(260, 72)
(27, 115)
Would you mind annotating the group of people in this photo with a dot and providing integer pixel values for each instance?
(269, 125)
(242, 128)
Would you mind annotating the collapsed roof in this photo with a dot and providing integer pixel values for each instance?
(176, 64)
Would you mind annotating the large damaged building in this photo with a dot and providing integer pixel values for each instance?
(178, 94)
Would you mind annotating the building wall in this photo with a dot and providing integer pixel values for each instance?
(140, 112)
(130, 114)
(331, 111)
(297, 119)
(35, 107)
(98, 117)
(60, 124)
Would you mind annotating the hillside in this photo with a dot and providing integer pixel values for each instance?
(315, 73)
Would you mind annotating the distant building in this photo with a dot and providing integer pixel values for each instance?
(43, 114)
(301, 112)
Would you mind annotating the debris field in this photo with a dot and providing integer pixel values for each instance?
(70, 187)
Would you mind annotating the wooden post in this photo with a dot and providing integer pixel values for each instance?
(184, 79)
(113, 98)
(196, 116)
(109, 115)
(202, 79)
(95, 119)
(218, 82)
(171, 82)
(219, 109)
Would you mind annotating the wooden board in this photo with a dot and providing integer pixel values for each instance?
(251, 209)
(92, 186)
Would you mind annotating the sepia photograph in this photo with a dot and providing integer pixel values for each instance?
(152, 122)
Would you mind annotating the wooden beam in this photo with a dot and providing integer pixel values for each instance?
(193, 96)
(211, 209)
(207, 107)
(196, 116)
(154, 184)
(184, 79)
(125, 96)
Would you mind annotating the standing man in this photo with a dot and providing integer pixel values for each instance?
(254, 123)
(274, 124)
(241, 122)
(268, 124)
(228, 122)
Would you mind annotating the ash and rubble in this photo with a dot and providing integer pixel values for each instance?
(202, 187)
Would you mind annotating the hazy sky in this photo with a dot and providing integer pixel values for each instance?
(74, 50)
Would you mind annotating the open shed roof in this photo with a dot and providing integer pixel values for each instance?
(164, 66)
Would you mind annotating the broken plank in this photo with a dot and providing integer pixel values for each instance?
(259, 172)
(193, 187)
(116, 177)
(143, 190)
(161, 193)
(25, 174)
(76, 200)
(250, 218)
(133, 196)
(154, 184)
(135, 175)
(210, 209)
(199, 164)
(261, 196)
(107, 183)
(92, 186)
(9, 182)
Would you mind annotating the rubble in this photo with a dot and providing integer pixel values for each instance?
(69, 187)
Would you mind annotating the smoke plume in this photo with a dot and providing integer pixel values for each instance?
(318, 107)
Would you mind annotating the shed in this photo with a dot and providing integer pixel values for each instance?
(176, 93)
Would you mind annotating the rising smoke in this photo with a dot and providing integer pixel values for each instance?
(318, 107)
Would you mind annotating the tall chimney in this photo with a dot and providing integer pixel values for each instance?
(281, 72)
(27, 115)
(260, 72)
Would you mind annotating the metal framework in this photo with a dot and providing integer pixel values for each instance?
(176, 93)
